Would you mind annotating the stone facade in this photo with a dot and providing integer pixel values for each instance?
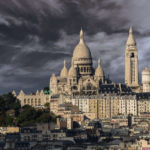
(146, 79)
(128, 105)
(112, 100)
(81, 78)
(5, 130)
(108, 106)
(82, 103)
(143, 102)
(54, 102)
(131, 61)
(96, 97)
(37, 99)
(112, 103)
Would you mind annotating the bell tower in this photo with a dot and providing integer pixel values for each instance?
(131, 61)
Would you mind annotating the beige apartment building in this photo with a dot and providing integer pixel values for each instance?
(82, 102)
(128, 104)
(143, 103)
(146, 79)
(107, 105)
(5, 130)
(54, 102)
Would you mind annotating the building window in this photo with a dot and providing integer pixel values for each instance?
(70, 81)
(132, 55)
(31, 101)
(132, 70)
(39, 102)
(87, 69)
(35, 102)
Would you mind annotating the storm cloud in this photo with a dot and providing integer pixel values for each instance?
(36, 36)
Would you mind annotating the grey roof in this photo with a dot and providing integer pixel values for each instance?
(143, 96)
(114, 88)
(29, 130)
(55, 96)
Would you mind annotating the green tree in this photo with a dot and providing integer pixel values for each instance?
(30, 116)
(11, 113)
(47, 106)
(46, 90)
(8, 103)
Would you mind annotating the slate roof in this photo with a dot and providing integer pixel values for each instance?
(114, 88)
(141, 96)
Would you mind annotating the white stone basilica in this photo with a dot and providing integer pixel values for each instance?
(81, 78)
(91, 91)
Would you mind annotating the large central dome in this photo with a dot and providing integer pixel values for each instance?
(81, 50)
(82, 59)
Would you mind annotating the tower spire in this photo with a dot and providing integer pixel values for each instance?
(131, 61)
(131, 40)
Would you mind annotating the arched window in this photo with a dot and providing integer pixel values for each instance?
(89, 86)
(31, 101)
(87, 69)
(74, 88)
(79, 69)
(35, 102)
(132, 55)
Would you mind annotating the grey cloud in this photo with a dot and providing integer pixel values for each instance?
(36, 36)
(4, 21)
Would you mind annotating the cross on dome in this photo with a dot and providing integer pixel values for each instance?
(81, 35)
(99, 62)
(131, 30)
(64, 63)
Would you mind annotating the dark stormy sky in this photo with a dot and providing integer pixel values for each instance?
(37, 35)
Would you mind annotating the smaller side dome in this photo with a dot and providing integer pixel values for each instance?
(64, 71)
(146, 70)
(53, 77)
(72, 71)
(99, 71)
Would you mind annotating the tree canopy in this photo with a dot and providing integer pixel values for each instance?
(11, 113)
